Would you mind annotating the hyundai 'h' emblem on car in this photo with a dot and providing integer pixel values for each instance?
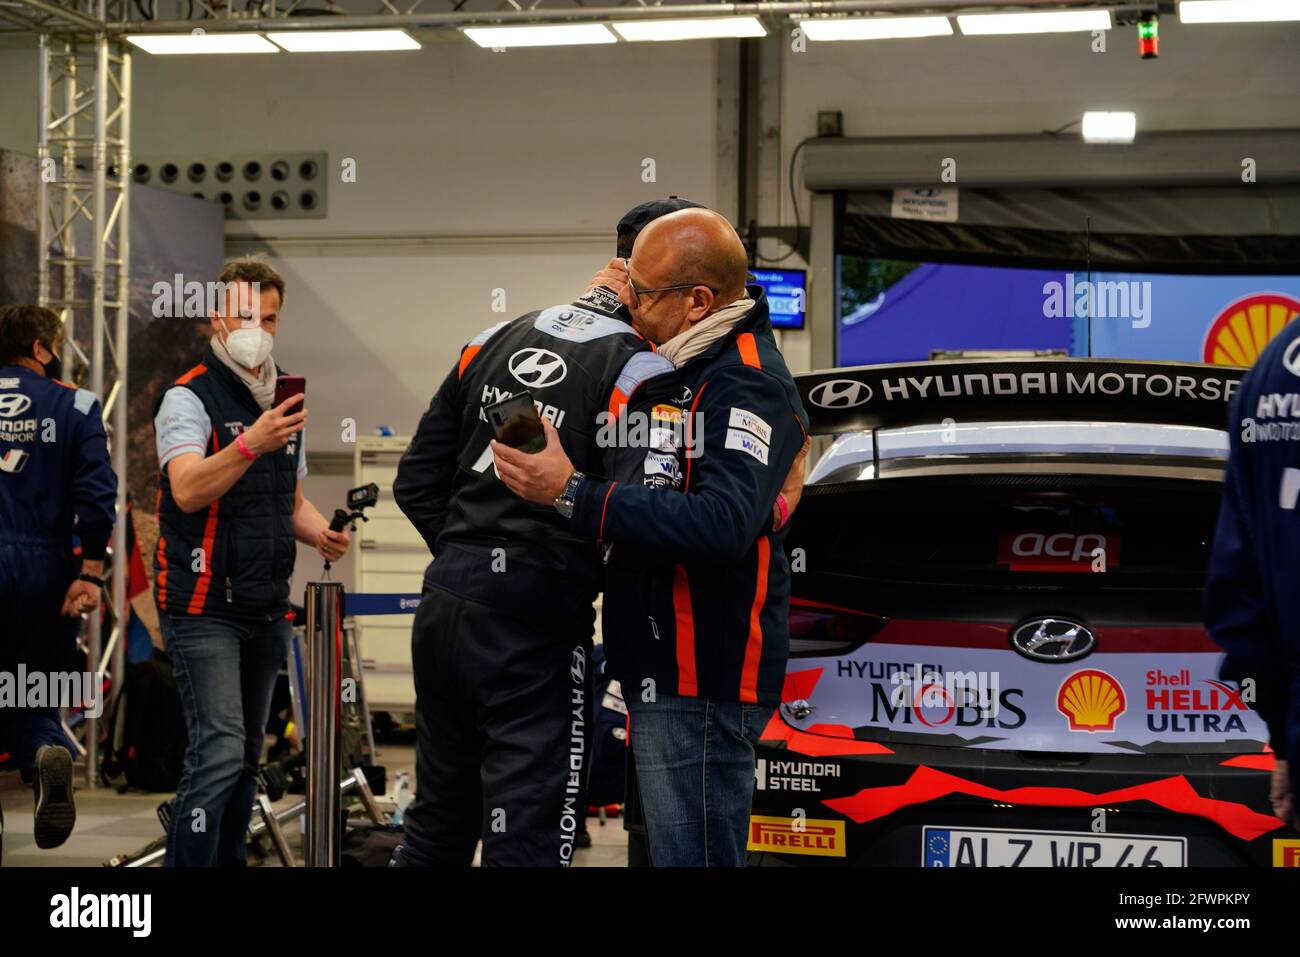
(537, 368)
(1291, 358)
(1053, 639)
(840, 394)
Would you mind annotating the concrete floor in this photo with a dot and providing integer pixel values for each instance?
(111, 824)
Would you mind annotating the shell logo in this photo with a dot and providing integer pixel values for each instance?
(1241, 331)
(1091, 700)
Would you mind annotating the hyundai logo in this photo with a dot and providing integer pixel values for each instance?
(537, 368)
(1291, 359)
(578, 668)
(14, 403)
(840, 394)
(1053, 639)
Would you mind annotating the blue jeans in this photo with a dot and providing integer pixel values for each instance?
(695, 764)
(226, 671)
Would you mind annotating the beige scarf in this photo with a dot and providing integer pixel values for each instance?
(692, 341)
(261, 385)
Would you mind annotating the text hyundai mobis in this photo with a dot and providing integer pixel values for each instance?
(997, 656)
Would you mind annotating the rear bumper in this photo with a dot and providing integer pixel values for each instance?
(871, 809)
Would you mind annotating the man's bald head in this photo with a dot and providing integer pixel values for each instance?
(696, 245)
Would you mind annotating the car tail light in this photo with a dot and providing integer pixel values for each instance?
(817, 629)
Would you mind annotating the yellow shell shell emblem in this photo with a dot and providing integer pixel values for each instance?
(1091, 700)
(1241, 331)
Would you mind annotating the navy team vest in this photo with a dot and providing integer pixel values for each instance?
(246, 536)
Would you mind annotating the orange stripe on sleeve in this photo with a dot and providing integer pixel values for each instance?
(617, 403)
(687, 683)
(162, 573)
(748, 350)
(466, 358)
(690, 437)
(162, 555)
(209, 538)
(754, 646)
(603, 508)
(196, 371)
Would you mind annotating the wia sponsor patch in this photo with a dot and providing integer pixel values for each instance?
(662, 471)
(744, 419)
(659, 464)
(736, 439)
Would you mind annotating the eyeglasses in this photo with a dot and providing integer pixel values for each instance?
(638, 293)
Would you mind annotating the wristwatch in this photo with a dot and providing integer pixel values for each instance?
(564, 504)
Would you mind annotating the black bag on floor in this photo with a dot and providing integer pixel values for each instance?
(146, 731)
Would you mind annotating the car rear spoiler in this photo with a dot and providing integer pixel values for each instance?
(1022, 389)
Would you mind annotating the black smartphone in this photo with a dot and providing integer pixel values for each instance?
(516, 423)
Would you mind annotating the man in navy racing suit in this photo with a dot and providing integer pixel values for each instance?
(56, 483)
(1252, 604)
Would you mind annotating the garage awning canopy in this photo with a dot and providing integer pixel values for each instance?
(1171, 202)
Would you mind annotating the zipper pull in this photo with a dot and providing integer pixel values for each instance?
(654, 628)
(230, 595)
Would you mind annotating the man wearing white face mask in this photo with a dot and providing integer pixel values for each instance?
(230, 508)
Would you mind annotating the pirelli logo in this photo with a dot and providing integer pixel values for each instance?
(1286, 853)
(787, 835)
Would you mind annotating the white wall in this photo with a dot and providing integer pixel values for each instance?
(449, 139)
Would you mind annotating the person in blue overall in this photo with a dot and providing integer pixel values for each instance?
(1252, 605)
(56, 485)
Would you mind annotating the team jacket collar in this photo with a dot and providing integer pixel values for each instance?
(232, 382)
(604, 301)
(756, 321)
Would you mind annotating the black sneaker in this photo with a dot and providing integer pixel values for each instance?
(55, 812)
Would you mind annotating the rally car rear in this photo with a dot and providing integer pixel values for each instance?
(997, 656)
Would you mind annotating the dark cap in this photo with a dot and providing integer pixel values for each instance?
(638, 217)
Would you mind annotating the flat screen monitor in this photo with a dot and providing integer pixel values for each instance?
(786, 295)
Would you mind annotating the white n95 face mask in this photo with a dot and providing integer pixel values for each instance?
(249, 347)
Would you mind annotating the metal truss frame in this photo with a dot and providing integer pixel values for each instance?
(83, 238)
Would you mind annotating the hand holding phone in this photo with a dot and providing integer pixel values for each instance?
(516, 423)
(282, 420)
(289, 385)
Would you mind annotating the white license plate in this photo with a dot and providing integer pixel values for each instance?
(994, 847)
